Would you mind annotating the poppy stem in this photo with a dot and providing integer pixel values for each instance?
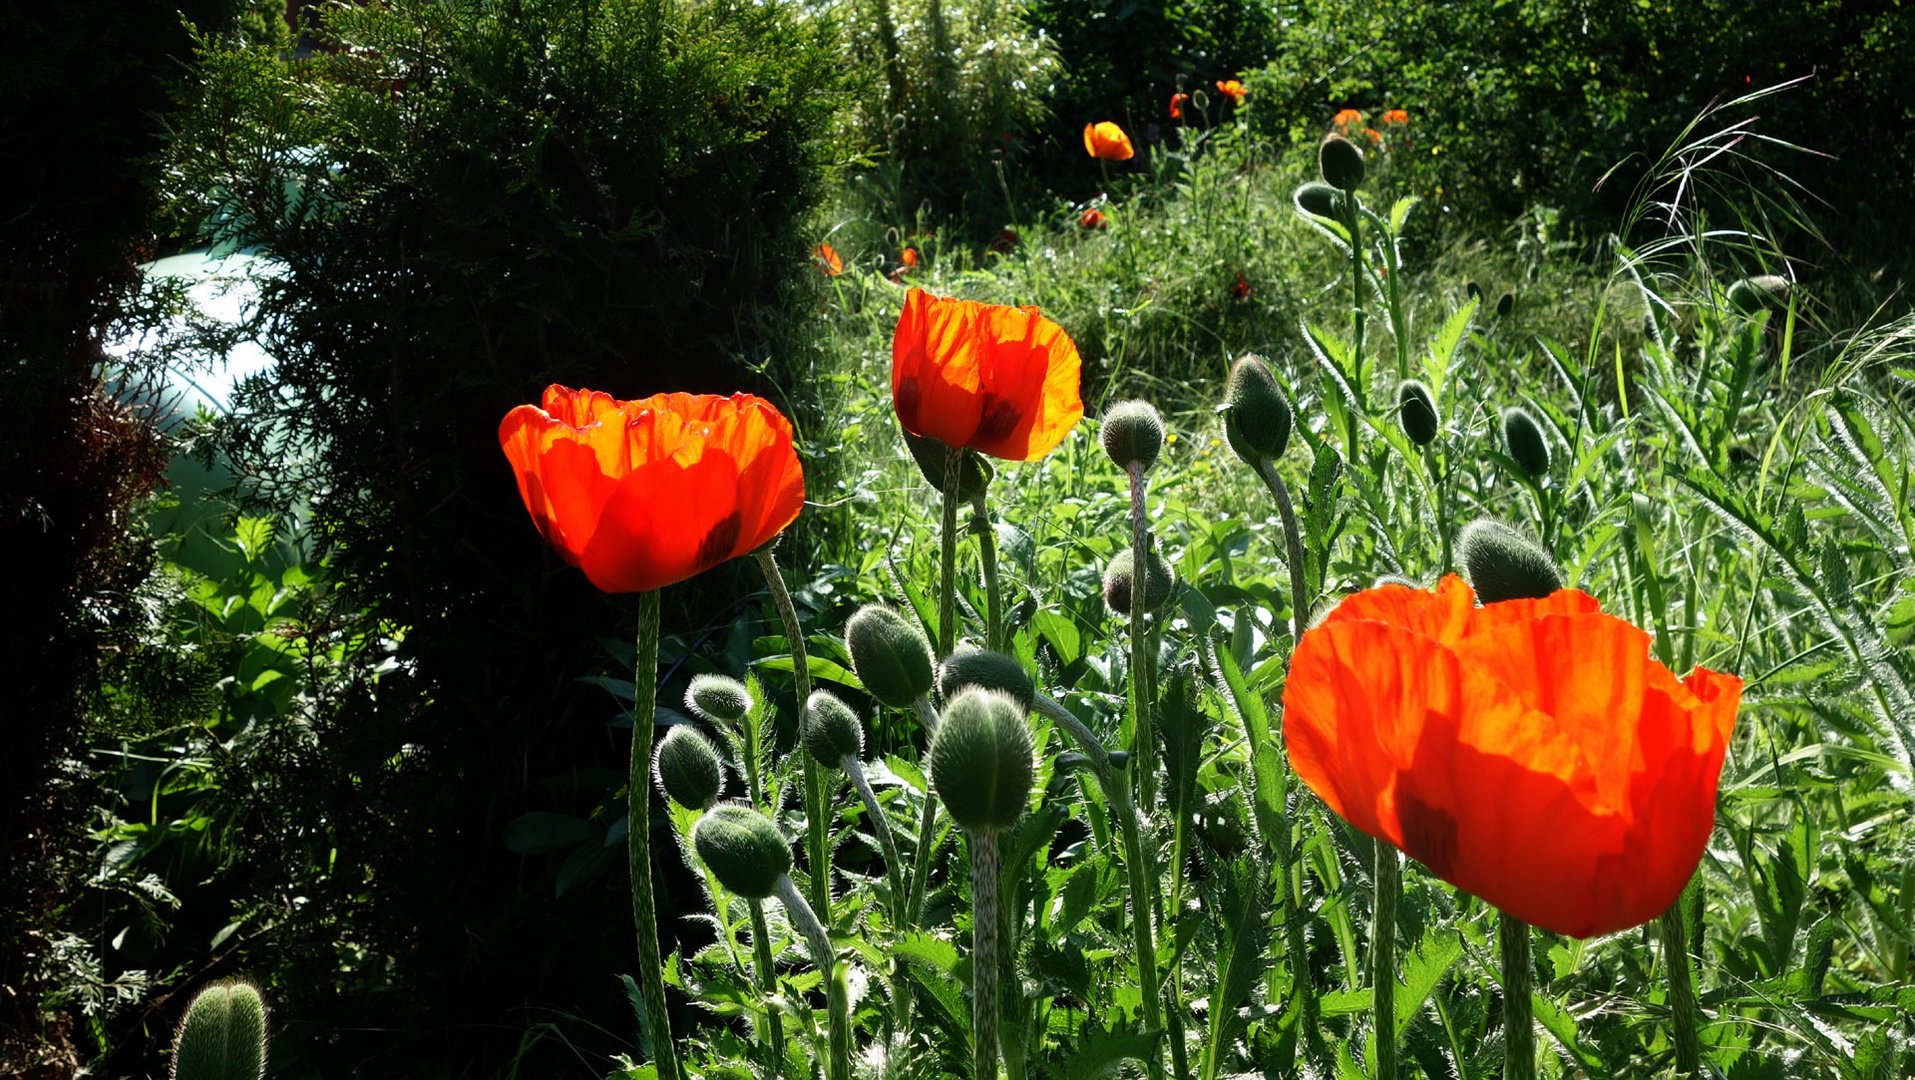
(1354, 218)
(1293, 550)
(767, 986)
(1389, 887)
(1143, 936)
(987, 553)
(817, 836)
(1685, 1017)
(927, 834)
(984, 911)
(887, 842)
(825, 959)
(638, 842)
(1519, 1036)
(947, 554)
(1144, 742)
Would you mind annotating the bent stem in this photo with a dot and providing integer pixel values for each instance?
(984, 911)
(767, 986)
(638, 843)
(817, 836)
(1685, 1016)
(987, 553)
(1519, 1037)
(1144, 744)
(1389, 887)
(1143, 936)
(824, 958)
(887, 843)
(927, 833)
(1293, 549)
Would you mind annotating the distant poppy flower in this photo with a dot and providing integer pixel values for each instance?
(1233, 90)
(1177, 105)
(999, 380)
(1092, 219)
(826, 256)
(1003, 243)
(1240, 292)
(909, 257)
(1373, 134)
(1107, 142)
(1396, 116)
(1347, 117)
(1529, 752)
(641, 494)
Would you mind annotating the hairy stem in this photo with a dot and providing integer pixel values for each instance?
(767, 986)
(887, 843)
(824, 958)
(638, 843)
(817, 823)
(1144, 743)
(1685, 1015)
(947, 554)
(987, 554)
(1519, 1037)
(984, 912)
(1389, 886)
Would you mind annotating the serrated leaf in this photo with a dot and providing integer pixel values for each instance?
(1098, 1052)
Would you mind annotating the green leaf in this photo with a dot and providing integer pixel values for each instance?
(1423, 969)
(1097, 1052)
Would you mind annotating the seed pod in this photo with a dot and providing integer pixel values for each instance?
(1503, 564)
(1416, 411)
(742, 849)
(1340, 162)
(1319, 198)
(1118, 758)
(1133, 434)
(1523, 436)
(1753, 294)
(890, 655)
(1506, 305)
(974, 473)
(718, 698)
(223, 1035)
(1256, 417)
(1474, 290)
(686, 768)
(988, 670)
(1119, 579)
(981, 759)
(831, 730)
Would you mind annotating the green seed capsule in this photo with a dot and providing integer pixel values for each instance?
(982, 759)
(1506, 305)
(1319, 198)
(1133, 434)
(890, 655)
(1524, 438)
(223, 1035)
(686, 768)
(1120, 577)
(988, 670)
(1256, 417)
(1340, 162)
(831, 730)
(1416, 411)
(742, 849)
(1503, 564)
(718, 698)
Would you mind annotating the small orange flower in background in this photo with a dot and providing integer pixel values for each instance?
(1396, 116)
(826, 256)
(1233, 90)
(1373, 134)
(986, 377)
(1092, 219)
(907, 262)
(642, 494)
(1346, 118)
(1004, 242)
(1107, 142)
(1529, 752)
(1240, 292)
(1177, 105)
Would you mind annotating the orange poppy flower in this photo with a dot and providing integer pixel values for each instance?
(826, 256)
(1092, 219)
(1177, 105)
(1529, 752)
(1373, 134)
(999, 380)
(1240, 289)
(1347, 117)
(1396, 116)
(909, 257)
(1106, 141)
(1233, 90)
(641, 494)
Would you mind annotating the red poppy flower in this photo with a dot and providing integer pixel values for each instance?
(1106, 141)
(1529, 752)
(641, 494)
(1373, 134)
(1346, 117)
(1177, 105)
(1233, 90)
(1396, 116)
(826, 256)
(1092, 219)
(1240, 290)
(999, 380)
(909, 257)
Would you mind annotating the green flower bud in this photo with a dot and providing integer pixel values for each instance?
(1506, 305)
(982, 760)
(685, 767)
(989, 670)
(1118, 758)
(223, 1035)
(1503, 564)
(1523, 436)
(974, 474)
(831, 730)
(1319, 198)
(1340, 162)
(890, 655)
(1256, 418)
(718, 698)
(1394, 579)
(742, 849)
(1474, 290)
(1754, 294)
(1416, 411)
(1133, 434)
(1120, 576)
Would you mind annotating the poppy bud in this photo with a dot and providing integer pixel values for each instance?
(890, 655)
(718, 698)
(989, 670)
(1524, 439)
(1394, 579)
(1319, 198)
(1506, 305)
(1133, 434)
(981, 759)
(1256, 418)
(742, 849)
(974, 473)
(1416, 411)
(223, 1035)
(1118, 758)
(1475, 291)
(1752, 294)
(1503, 564)
(831, 730)
(1340, 162)
(685, 767)
(1120, 574)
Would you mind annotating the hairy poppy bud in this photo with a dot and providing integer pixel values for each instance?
(1503, 564)
(831, 730)
(1394, 579)
(974, 473)
(1319, 198)
(981, 759)
(718, 698)
(685, 767)
(990, 670)
(889, 654)
(1119, 578)
(1133, 434)
(1256, 418)
(223, 1035)
(1524, 439)
(1474, 290)
(1416, 411)
(1752, 294)
(1340, 162)
(742, 849)
(1506, 305)
(1118, 758)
